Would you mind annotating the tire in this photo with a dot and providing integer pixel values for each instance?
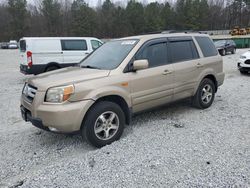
(198, 100)
(104, 124)
(243, 72)
(51, 68)
(223, 52)
(234, 51)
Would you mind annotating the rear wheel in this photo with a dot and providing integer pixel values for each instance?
(234, 51)
(104, 124)
(205, 93)
(51, 68)
(223, 52)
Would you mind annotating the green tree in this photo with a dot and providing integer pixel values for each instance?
(83, 19)
(152, 15)
(168, 17)
(135, 16)
(18, 15)
(51, 11)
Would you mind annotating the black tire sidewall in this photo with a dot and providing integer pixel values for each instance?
(199, 93)
(89, 123)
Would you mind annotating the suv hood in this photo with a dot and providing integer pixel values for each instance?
(65, 76)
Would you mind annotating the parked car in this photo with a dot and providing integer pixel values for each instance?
(225, 46)
(244, 62)
(41, 54)
(13, 44)
(4, 45)
(121, 78)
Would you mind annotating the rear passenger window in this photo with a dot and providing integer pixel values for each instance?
(207, 46)
(155, 54)
(74, 45)
(95, 44)
(182, 51)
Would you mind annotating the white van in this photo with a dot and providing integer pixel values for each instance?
(42, 54)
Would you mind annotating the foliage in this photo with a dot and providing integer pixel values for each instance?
(109, 20)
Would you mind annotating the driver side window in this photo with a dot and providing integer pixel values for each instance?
(156, 54)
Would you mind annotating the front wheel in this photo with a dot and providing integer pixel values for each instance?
(104, 124)
(205, 93)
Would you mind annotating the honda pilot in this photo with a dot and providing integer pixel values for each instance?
(123, 77)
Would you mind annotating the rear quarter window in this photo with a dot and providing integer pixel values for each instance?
(74, 45)
(182, 50)
(207, 46)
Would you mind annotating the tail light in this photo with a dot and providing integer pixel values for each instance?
(29, 58)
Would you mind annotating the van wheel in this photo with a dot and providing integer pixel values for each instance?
(51, 68)
(104, 124)
(204, 96)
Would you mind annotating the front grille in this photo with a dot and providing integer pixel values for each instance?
(29, 92)
(247, 62)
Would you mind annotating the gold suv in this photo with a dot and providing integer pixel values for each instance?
(123, 77)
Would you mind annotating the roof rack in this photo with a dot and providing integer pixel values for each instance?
(182, 31)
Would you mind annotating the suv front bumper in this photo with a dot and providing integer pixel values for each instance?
(65, 118)
(243, 67)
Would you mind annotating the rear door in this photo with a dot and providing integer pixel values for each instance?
(152, 86)
(23, 56)
(74, 50)
(185, 60)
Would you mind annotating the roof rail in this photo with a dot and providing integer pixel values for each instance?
(182, 31)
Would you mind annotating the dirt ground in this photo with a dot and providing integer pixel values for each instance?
(174, 146)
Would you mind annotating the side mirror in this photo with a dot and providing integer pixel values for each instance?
(140, 64)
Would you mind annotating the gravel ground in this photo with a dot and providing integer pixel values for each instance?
(174, 146)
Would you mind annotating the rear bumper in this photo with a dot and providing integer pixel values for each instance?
(34, 69)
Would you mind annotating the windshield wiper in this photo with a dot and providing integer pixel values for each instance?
(89, 67)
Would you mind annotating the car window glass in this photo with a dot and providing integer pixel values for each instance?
(156, 54)
(182, 50)
(71, 45)
(22, 45)
(207, 46)
(95, 44)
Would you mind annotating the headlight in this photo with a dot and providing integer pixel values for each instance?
(243, 57)
(59, 94)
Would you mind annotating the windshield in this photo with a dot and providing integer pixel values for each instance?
(220, 43)
(110, 55)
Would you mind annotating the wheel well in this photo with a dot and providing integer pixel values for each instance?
(118, 100)
(52, 64)
(212, 77)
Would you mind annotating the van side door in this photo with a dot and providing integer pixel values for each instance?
(153, 86)
(185, 60)
(74, 50)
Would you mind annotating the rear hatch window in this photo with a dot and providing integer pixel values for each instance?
(22, 45)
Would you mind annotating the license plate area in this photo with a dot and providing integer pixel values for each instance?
(25, 113)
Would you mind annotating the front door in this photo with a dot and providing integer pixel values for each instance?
(152, 86)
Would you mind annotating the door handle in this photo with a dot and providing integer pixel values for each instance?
(165, 72)
(199, 65)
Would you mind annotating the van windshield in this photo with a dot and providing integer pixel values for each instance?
(110, 55)
(22, 45)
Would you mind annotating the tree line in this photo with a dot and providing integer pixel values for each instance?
(111, 20)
